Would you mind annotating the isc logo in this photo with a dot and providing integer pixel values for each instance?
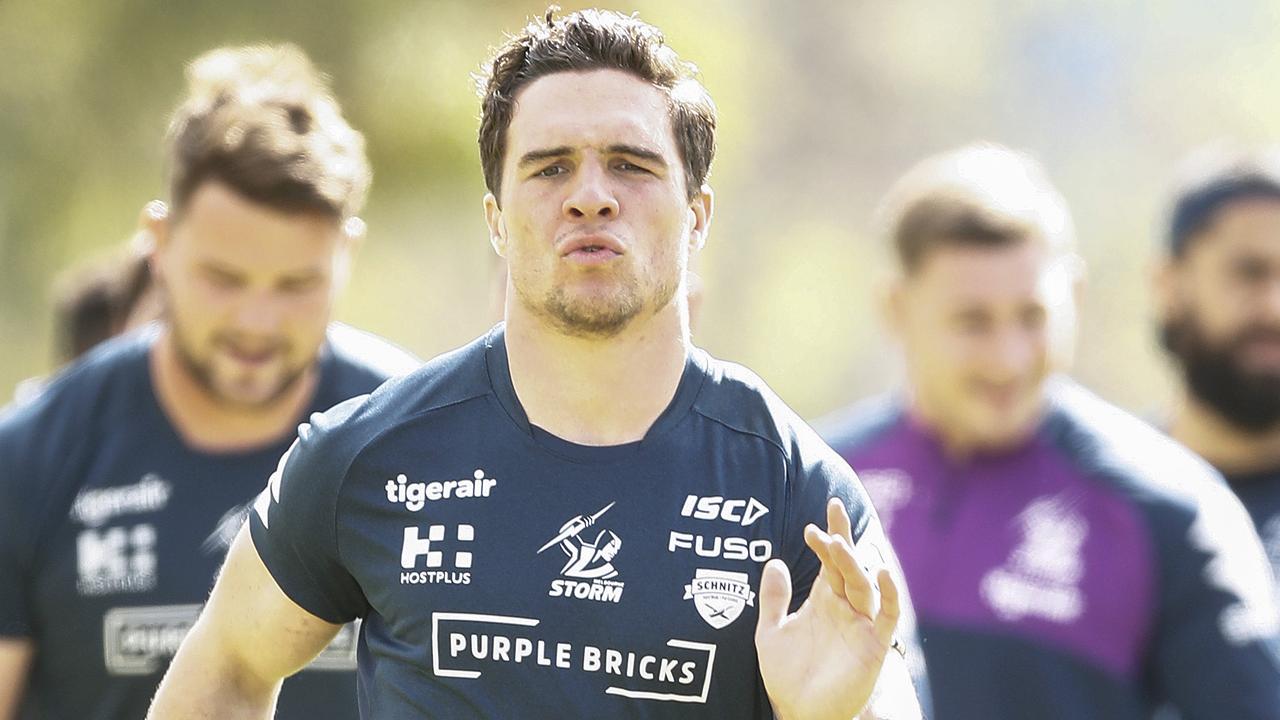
(714, 507)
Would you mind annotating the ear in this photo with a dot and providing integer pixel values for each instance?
(497, 226)
(892, 293)
(702, 207)
(152, 238)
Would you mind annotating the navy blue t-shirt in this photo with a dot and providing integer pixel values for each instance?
(112, 529)
(1095, 571)
(503, 572)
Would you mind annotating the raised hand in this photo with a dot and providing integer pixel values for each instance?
(822, 661)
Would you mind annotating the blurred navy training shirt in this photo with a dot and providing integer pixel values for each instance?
(112, 529)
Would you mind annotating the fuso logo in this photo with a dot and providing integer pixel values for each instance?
(714, 507)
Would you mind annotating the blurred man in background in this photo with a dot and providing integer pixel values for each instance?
(123, 481)
(1218, 293)
(1067, 561)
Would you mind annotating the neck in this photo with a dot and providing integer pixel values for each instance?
(1226, 447)
(958, 441)
(597, 391)
(208, 424)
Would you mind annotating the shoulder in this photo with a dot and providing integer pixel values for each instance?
(335, 437)
(741, 401)
(856, 427)
(1138, 460)
(362, 360)
(101, 382)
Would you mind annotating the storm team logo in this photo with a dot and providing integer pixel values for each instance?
(589, 561)
(719, 595)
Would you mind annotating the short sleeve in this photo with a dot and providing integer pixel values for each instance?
(1217, 649)
(294, 522)
(16, 471)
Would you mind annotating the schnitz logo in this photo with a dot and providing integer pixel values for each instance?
(719, 595)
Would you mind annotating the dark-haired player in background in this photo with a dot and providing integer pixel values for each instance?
(442, 507)
(1067, 560)
(1218, 292)
(124, 480)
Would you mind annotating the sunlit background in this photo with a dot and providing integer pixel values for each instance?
(821, 105)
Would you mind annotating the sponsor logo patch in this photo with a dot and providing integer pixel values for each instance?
(466, 645)
(142, 640)
(719, 595)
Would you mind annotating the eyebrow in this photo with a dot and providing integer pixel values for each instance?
(536, 156)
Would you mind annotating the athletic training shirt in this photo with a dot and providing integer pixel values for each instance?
(504, 572)
(1260, 494)
(112, 529)
(1095, 571)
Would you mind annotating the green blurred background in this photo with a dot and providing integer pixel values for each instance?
(821, 105)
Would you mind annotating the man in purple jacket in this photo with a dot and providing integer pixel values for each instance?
(1066, 560)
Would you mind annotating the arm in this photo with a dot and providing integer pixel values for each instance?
(15, 661)
(249, 638)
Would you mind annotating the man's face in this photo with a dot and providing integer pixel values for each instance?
(248, 291)
(982, 328)
(1221, 314)
(595, 221)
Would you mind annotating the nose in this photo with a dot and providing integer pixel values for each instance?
(1014, 352)
(259, 313)
(591, 195)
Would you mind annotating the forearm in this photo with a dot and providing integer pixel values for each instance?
(15, 663)
(894, 697)
(206, 682)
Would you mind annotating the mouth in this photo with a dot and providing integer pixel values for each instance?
(254, 357)
(593, 248)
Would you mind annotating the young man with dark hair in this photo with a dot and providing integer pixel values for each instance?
(1067, 560)
(125, 480)
(1218, 292)
(579, 514)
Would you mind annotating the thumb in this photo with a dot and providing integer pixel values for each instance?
(775, 594)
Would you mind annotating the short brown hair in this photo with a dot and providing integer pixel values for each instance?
(262, 120)
(595, 40)
(984, 195)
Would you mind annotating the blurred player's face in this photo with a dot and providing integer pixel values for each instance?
(1221, 314)
(982, 328)
(594, 221)
(248, 291)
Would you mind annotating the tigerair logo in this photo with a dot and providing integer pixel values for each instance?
(588, 571)
(415, 495)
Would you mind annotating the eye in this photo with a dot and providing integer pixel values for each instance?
(630, 167)
(222, 280)
(551, 171)
(299, 285)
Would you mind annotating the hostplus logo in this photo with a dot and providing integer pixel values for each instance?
(440, 545)
(588, 571)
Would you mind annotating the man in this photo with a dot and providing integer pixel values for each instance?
(123, 482)
(1068, 561)
(432, 509)
(1219, 298)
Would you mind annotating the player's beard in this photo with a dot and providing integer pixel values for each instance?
(202, 372)
(1215, 375)
(596, 316)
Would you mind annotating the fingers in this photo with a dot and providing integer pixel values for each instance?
(890, 608)
(841, 571)
(775, 594)
(838, 520)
